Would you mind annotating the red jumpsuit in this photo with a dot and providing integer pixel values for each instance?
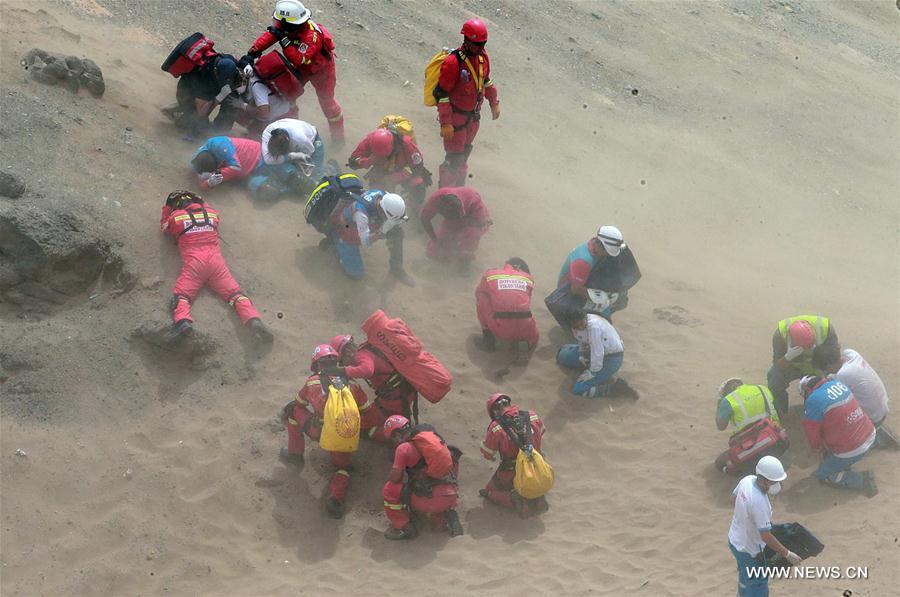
(310, 48)
(393, 394)
(463, 87)
(196, 229)
(503, 304)
(442, 496)
(307, 418)
(457, 238)
(496, 441)
(402, 168)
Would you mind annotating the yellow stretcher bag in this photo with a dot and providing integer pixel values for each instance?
(534, 476)
(432, 74)
(398, 124)
(340, 426)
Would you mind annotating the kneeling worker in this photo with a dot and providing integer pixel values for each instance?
(599, 351)
(503, 305)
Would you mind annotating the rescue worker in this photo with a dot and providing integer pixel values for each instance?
(839, 432)
(436, 497)
(503, 305)
(741, 405)
(361, 220)
(221, 159)
(292, 158)
(263, 103)
(394, 395)
(201, 90)
(599, 351)
(195, 227)
(310, 49)
(851, 369)
(605, 260)
(304, 416)
(505, 434)
(464, 83)
(394, 161)
(794, 343)
(465, 220)
(751, 527)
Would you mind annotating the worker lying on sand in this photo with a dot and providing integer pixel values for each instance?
(599, 352)
(423, 479)
(510, 429)
(292, 158)
(503, 306)
(221, 159)
(304, 416)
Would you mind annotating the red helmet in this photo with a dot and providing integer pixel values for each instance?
(322, 351)
(340, 341)
(395, 423)
(802, 334)
(474, 30)
(494, 398)
(382, 142)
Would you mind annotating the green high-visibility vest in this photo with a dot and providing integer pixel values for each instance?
(750, 404)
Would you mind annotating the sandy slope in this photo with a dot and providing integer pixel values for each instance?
(754, 175)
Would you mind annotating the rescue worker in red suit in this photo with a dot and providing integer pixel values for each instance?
(393, 394)
(304, 416)
(464, 83)
(394, 160)
(195, 227)
(436, 497)
(465, 220)
(310, 49)
(503, 305)
(508, 420)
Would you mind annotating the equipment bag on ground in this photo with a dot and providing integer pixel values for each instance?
(404, 351)
(534, 476)
(434, 450)
(325, 197)
(340, 426)
(747, 446)
(193, 52)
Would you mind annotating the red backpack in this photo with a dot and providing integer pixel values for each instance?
(193, 52)
(279, 75)
(434, 450)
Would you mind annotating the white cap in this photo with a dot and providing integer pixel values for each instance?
(612, 239)
(770, 468)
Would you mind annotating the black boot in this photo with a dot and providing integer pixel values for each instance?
(261, 333)
(487, 342)
(522, 352)
(288, 458)
(180, 331)
(334, 508)
(453, 524)
(407, 532)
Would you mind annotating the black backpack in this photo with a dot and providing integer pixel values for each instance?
(326, 196)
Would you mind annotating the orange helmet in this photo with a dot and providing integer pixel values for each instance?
(474, 30)
(493, 400)
(340, 341)
(395, 423)
(382, 142)
(802, 334)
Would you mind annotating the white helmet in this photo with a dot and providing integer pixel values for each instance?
(394, 207)
(290, 12)
(770, 468)
(731, 381)
(612, 239)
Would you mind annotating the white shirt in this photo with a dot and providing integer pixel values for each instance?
(302, 136)
(259, 94)
(865, 384)
(752, 515)
(599, 338)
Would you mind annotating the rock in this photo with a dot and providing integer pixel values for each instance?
(21, 453)
(69, 71)
(11, 185)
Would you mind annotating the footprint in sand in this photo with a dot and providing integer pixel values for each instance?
(677, 316)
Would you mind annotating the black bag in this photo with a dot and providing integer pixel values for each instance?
(796, 538)
(325, 197)
(615, 274)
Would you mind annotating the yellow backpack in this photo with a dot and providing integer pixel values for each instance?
(432, 74)
(398, 124)
(534, 476)
(340, 427)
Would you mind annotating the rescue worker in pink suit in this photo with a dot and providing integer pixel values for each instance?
(304, 416)
(195, 226)
(310, 49)
(464, 83)
(508, 421)
(393, 160)
(465, 220)
(436, 497)
(503, 305)
(393, 394)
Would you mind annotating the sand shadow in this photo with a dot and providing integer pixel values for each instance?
(498, 365)
(491, 520)
(414, 553)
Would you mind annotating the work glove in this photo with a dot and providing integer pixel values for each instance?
(495, 111)
(447, 131)
(588, 375)
(215, 180)
(204, 176)
(298, 156)
(793, 353)
(245, 61)
(792, 558)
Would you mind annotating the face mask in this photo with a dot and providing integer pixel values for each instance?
(774, 489)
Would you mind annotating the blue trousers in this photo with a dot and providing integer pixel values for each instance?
(569, 356)
(349, 256)
(749, 587)
(836, 471)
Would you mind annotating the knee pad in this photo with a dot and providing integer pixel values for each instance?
(237, 296)
(177, 298)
